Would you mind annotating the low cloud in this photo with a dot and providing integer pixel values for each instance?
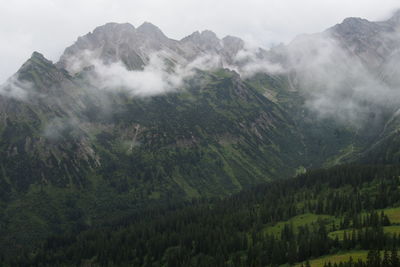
(15, 88)
(154, 79)
(252, 62)
(253, 59)
(160, 75)
(58, 128)
(336, 83)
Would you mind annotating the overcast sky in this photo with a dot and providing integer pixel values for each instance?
(48, 26)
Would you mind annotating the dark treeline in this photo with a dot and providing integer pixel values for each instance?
(311, 242)
(374, 259)
(231, 232)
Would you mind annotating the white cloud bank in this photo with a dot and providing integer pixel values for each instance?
(337, 84)
(15, 88)
(157, 77)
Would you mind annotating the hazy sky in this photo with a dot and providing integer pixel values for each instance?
(48, 26)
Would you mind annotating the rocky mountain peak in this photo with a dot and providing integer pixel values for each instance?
(150, 30)
(203, 37)
(105, 40)
(359, 26)
(193, 38)
(205, 41)
(37, 55)
(37, 60)
(353, 21)
(231, 46)
(208, 35)
(110, 32)
(42, 75)
(395, 19)
(113, 27)
(233, 42)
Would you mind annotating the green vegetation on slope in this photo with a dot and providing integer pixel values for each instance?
(234, 231)
(337, 258)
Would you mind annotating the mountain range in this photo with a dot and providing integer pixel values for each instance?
(129, 118)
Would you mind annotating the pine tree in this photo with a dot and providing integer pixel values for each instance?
(394, 258)
(386, 258)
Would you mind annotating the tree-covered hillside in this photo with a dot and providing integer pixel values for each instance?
(322, 212)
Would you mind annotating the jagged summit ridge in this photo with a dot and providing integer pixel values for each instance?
(114, 42)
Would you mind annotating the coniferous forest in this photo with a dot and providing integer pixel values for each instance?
(344, 207)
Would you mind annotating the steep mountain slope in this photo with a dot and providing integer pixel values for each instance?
(377, 45)
(348, 74)
(39, 143)
(83, 144)
(78, 130)
(63, 113)
(75, 156)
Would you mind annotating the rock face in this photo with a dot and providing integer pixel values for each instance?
(115, 42)
(39, 138)
(373, 42)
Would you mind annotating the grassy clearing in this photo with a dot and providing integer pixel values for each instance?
(356, 255)
(393, 214)
(394, 229)
(300, 220)
(394, 217)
